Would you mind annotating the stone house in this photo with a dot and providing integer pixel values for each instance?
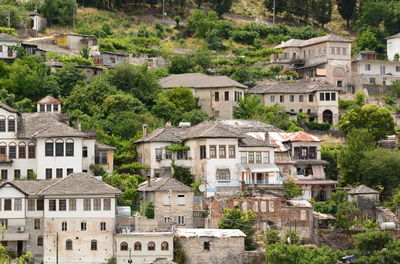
(393, 46)
(73, 41)
(366, 199)
(319, 100)
(72, 218)
(213, 246)
(144, 247)
(172, 200)
(36, 21)
(7, 43)
(271, 213)
(217, 95)
(110, 59)
(327, 58)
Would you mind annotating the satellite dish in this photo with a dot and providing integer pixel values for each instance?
(202, 188)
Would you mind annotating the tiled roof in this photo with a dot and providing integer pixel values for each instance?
(101, 146)
(312, 41)
(302, 137)
(198, 80)
(363, 189)
(293, 87)
(164, 184)
(281, 138)
(6, 37)
(49, 100)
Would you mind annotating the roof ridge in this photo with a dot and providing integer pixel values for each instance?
(57, 182)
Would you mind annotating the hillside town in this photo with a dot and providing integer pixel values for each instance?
(192, 132)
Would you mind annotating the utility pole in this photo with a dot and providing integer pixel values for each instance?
(57, 249)
(163, 9)
(74, 15)
(130, 256)
(273, 19)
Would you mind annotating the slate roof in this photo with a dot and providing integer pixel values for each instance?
(164, 134)
(6, 37)
(164, 184)
(312, 41)
(163, 261)
(249, 141)
(363, 189)
(198, 80)
(102, 146)
(206, 232)
(8, 108)
(48, 100)
(299, 87)
(31, 187)
(211, 129)
(394, 36)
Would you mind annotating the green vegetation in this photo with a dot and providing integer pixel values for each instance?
(318, 126)
(149, 210)
(292, 189)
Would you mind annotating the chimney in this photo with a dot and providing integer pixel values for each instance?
(79, 125)
(144, 130)
(148, 181)
(267, 137)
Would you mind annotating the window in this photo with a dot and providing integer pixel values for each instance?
(272, 98)
(11, 124)
(12, 151)
(265, 157)
(39, 205)
(103, 158)
(243, 157)
(42, 108)
(4, 174)
(123, 246)
(339, 83)
(216, 113)
(232, 151)
(372, 80)
(68, 244)
(271, 206)
(2, 124)
(137, 246)
(49, 148)
(64, 226)
(382, 70)
(337, 51)
(181, 220)
(40, 241)
(222, 151)
(223, 175)
(300, 110)
(49, 174)
(216, 96)
(103, 226)
(37, 224)
(181, 199)
(251, 157)
(84, 151)
(7, 204)
(168, 154)
(282, 98)
(332, 50)
(322, 96)
(367, 67)
(1, 48)
(203, 153)
(151, 246)
(213, 152)
(31, 204)
(48, 108)
(72, 204)
(3, 151)
(59, 173)
(327, 97)
(206, 245)
(397, 68)
(303, 215)
(182, 155)
(96, 204)
(55, 108)
(333, 96)
(238, 96)
(226, 96)
(70, 171)
(22, 150)
(291, 98)
(164, 246)
(69, 148)
(31, 150)
(107, 204)
(301, 98)
(52, 205)
(258, 157)
(312, 152)
(87, 204)
(83, 226)
(18, 204)
(158, 153)
(62, 205)
(339, 70)
(311, 98)
(59, 148)
(93, 245)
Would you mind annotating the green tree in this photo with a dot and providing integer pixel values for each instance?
(183, 175)
(177, 21)
(330, 153)
(12, 16)
(248, 107)
(203, 59)
(292, 189)
(377, 120)
(280, 5)
(127, 184)
(272, 237)
(180, 64)
(149, 210)
(67, 77)
(236, 219)
(371, 241)
(395, 89)
(322, 11)
(59, 12)
(221, 6)
(347, 9)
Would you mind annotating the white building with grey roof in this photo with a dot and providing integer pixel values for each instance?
(217, 95)
(44, 144)
(7, 44)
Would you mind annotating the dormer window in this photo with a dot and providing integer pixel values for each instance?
(41, 108)
(48, 108)
(49, 104)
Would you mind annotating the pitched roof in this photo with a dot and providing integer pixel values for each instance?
(211, 129)
(363, 189)
(293, 87)
(198, 80)
(78, 184)
(312, 41)
(8, 108)
(206, 232)
(163, 261)
(32, 187)
(48, 100)
(164, 134)
(281, 138)
(164, 184)
(42, 125)
(394, 36)
(250, 141)
(102, 146)
(6, 37)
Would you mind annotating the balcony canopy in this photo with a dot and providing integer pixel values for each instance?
(258, 168)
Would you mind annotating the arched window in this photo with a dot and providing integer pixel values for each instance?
(3, 150)
(31, 150)
(93, 245)
(69, 148)
(11, 124)
(22, 150)
(59, 148)
(68, 244)
(327, 117)
(137, 246)
(124, 246)
(12, 150)
(151, 246)
(164, 245)
(2, 124)
(49, 148)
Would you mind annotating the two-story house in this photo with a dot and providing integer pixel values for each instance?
(69, 220)
(319, 100)
(7, 42)
(327, 58)
(393, 46)
(43, 143)
(217, 95)
(221, 154)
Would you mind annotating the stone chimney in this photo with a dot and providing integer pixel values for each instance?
(148, 181)
(267, 137)
(79, 125)
(144, 130)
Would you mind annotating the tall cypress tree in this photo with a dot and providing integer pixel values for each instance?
(322, 11)
(347, 9)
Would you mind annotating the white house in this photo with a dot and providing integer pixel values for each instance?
(393, 46)
(43, 143)
(7, 43)
(69, 220)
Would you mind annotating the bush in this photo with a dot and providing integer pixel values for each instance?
(149, 210)
(318, 126)
(245, 37)
(272, 237)
(59, 12)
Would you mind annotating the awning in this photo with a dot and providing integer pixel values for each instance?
(316, 182)
(310, 66)
(258, 167)
(16, 237)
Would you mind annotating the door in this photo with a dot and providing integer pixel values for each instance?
(20, 247)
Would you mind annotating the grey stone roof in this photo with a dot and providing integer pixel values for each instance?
(163, 261)
(363, 189)
(198, 80)
(31, 187)
(312, 41)
(164, 184)
(102, 146)
(299, 87)
(48, 100)
(164, 134)
(247, 126)
(211, 129)
(6, 37)
(249, 141)
(8, 108)
(394, 36)
(43, 125)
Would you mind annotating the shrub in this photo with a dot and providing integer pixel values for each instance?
(149, 210)
(245, 36)
(318, 126)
